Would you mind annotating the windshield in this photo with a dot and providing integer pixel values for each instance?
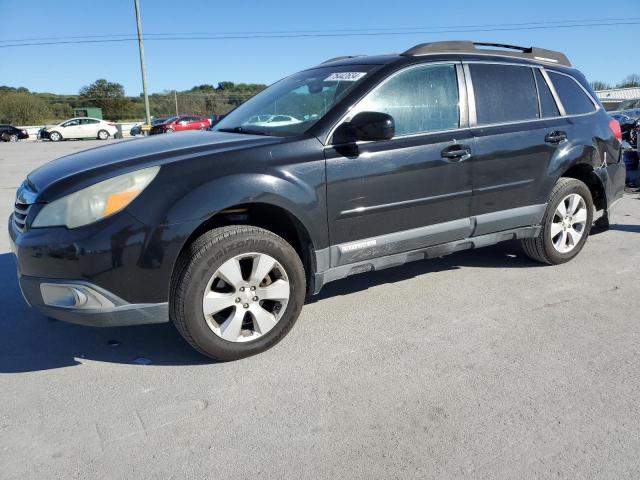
(292, 105)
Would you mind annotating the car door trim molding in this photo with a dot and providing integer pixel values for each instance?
(503, 186)
(402, 241)
(439, 233)
(354, 212)
(322, 277)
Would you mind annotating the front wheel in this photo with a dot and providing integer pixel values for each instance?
(55, 137)
(13, 137)
(565, 226)
(236, 291)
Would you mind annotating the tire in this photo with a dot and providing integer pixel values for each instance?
(169, 130)
(197, 272)
(549, 247)
(55, 137)
(103, 135)
(13, 137)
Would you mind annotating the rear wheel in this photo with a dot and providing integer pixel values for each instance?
(103, 135)
(236, 291)
(55, 137)
(169, 130)
(565, 226)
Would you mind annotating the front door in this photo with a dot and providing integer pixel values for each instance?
(414, 190)
(71, 129)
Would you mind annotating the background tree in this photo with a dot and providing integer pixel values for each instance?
(107, 95)
(632, 80)
(23, 109)
(599, 85)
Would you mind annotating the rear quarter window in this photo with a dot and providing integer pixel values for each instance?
(574, 99)
(504, 93)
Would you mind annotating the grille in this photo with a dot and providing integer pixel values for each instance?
(25, 197)
(20, 212)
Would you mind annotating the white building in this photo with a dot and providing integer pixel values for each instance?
(612, 97)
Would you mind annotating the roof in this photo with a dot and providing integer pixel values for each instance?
(461, 48)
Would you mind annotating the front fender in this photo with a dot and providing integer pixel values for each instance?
(300, 199)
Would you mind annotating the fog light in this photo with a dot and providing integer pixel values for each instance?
(68, 295)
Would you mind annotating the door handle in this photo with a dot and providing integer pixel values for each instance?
(555, 137)
(456, 153)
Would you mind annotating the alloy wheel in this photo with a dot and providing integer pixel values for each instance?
(569, 223)
(246, 297)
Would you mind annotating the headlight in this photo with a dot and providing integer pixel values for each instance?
(95, 202)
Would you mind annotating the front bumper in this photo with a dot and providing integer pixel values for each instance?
(121, 262)
(87, 304)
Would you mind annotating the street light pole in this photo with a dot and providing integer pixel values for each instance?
(142, 67)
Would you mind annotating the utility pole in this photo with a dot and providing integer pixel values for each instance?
(142, 68)
(175, 96)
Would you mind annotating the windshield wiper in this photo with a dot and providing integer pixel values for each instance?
(242, 130)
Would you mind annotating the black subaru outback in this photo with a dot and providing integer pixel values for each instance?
(355, 165)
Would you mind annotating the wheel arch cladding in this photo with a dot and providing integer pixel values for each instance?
(585, 173)
(579, 161)
(279, 205)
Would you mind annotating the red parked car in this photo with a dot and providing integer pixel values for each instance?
(183, 122)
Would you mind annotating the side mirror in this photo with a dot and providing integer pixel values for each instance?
(367, 126)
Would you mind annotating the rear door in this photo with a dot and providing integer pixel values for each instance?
(511, 150)
(401, 194)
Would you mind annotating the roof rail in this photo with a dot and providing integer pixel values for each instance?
(531, 53)
(335, 59)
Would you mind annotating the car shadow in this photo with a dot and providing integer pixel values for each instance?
(503, 255)
(31, 342)
(625, 228)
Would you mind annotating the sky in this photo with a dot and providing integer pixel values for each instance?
(602, 53)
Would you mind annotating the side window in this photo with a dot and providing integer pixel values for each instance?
(71, 123)
(504, 93)
(88, 121)
(573, 98)
(420, 99)
(548, 105)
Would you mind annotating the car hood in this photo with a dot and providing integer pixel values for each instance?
(73, 172)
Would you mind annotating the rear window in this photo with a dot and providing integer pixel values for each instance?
(504, 93)
(548, 107)
(574, 100)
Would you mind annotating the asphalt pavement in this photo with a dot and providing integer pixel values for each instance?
(482, 364)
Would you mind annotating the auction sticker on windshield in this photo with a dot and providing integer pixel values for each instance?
(345, 76)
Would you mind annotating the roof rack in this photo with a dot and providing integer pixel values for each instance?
(344, 57)
(531, 53)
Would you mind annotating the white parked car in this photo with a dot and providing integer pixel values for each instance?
(83, 127)
(272, 120)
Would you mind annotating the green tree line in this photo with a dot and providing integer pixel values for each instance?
(629, 81)
(19, 106)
